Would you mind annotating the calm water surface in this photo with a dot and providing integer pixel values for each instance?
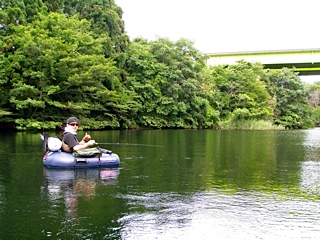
(193, 185)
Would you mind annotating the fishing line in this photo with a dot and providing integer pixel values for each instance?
(130, 144)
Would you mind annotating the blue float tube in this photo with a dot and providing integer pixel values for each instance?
(59, 159)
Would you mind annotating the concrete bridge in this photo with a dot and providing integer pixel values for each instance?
(305, 61)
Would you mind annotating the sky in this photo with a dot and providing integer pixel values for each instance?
(226, 25)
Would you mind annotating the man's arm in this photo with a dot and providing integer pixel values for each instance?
(83, 145)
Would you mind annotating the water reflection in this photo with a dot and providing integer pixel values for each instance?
(70, 185)
(310, 168)
(201, 185)
(312, 144)
(258, 185)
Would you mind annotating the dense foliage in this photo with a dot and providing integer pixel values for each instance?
(63, 58)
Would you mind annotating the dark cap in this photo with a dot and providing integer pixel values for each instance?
(72, 119)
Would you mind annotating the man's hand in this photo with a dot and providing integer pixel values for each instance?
(86, 138)
(91, 142)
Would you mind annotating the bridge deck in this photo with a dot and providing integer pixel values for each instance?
(305, 61)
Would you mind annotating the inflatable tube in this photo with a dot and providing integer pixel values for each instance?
(61, 159)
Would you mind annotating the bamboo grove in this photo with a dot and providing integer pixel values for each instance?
(73, 58)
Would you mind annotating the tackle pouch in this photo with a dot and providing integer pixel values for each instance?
(87, 153)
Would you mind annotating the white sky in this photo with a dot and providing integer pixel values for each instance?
(226, 25)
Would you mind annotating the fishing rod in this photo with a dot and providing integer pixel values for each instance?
(130, 144)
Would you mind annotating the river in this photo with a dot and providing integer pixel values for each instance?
(173, 184)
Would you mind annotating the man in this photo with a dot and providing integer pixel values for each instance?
(70, 141)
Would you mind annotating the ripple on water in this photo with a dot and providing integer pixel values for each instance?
(310, 177)
(244, 215)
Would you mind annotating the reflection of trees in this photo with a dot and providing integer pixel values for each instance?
(242, 159)
(311, 144)
(227, 159)
(264, 160)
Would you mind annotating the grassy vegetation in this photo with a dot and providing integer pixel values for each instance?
(250, 124)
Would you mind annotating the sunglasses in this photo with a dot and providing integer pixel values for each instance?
(74, 124)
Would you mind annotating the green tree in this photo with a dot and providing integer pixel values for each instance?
(5, 110)
(313, 94)
(165, 75)
(58, 68)
(241, 92)
(313, 100)
(12, 12)
(105, 18)
(19, 12)
(291, 109)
